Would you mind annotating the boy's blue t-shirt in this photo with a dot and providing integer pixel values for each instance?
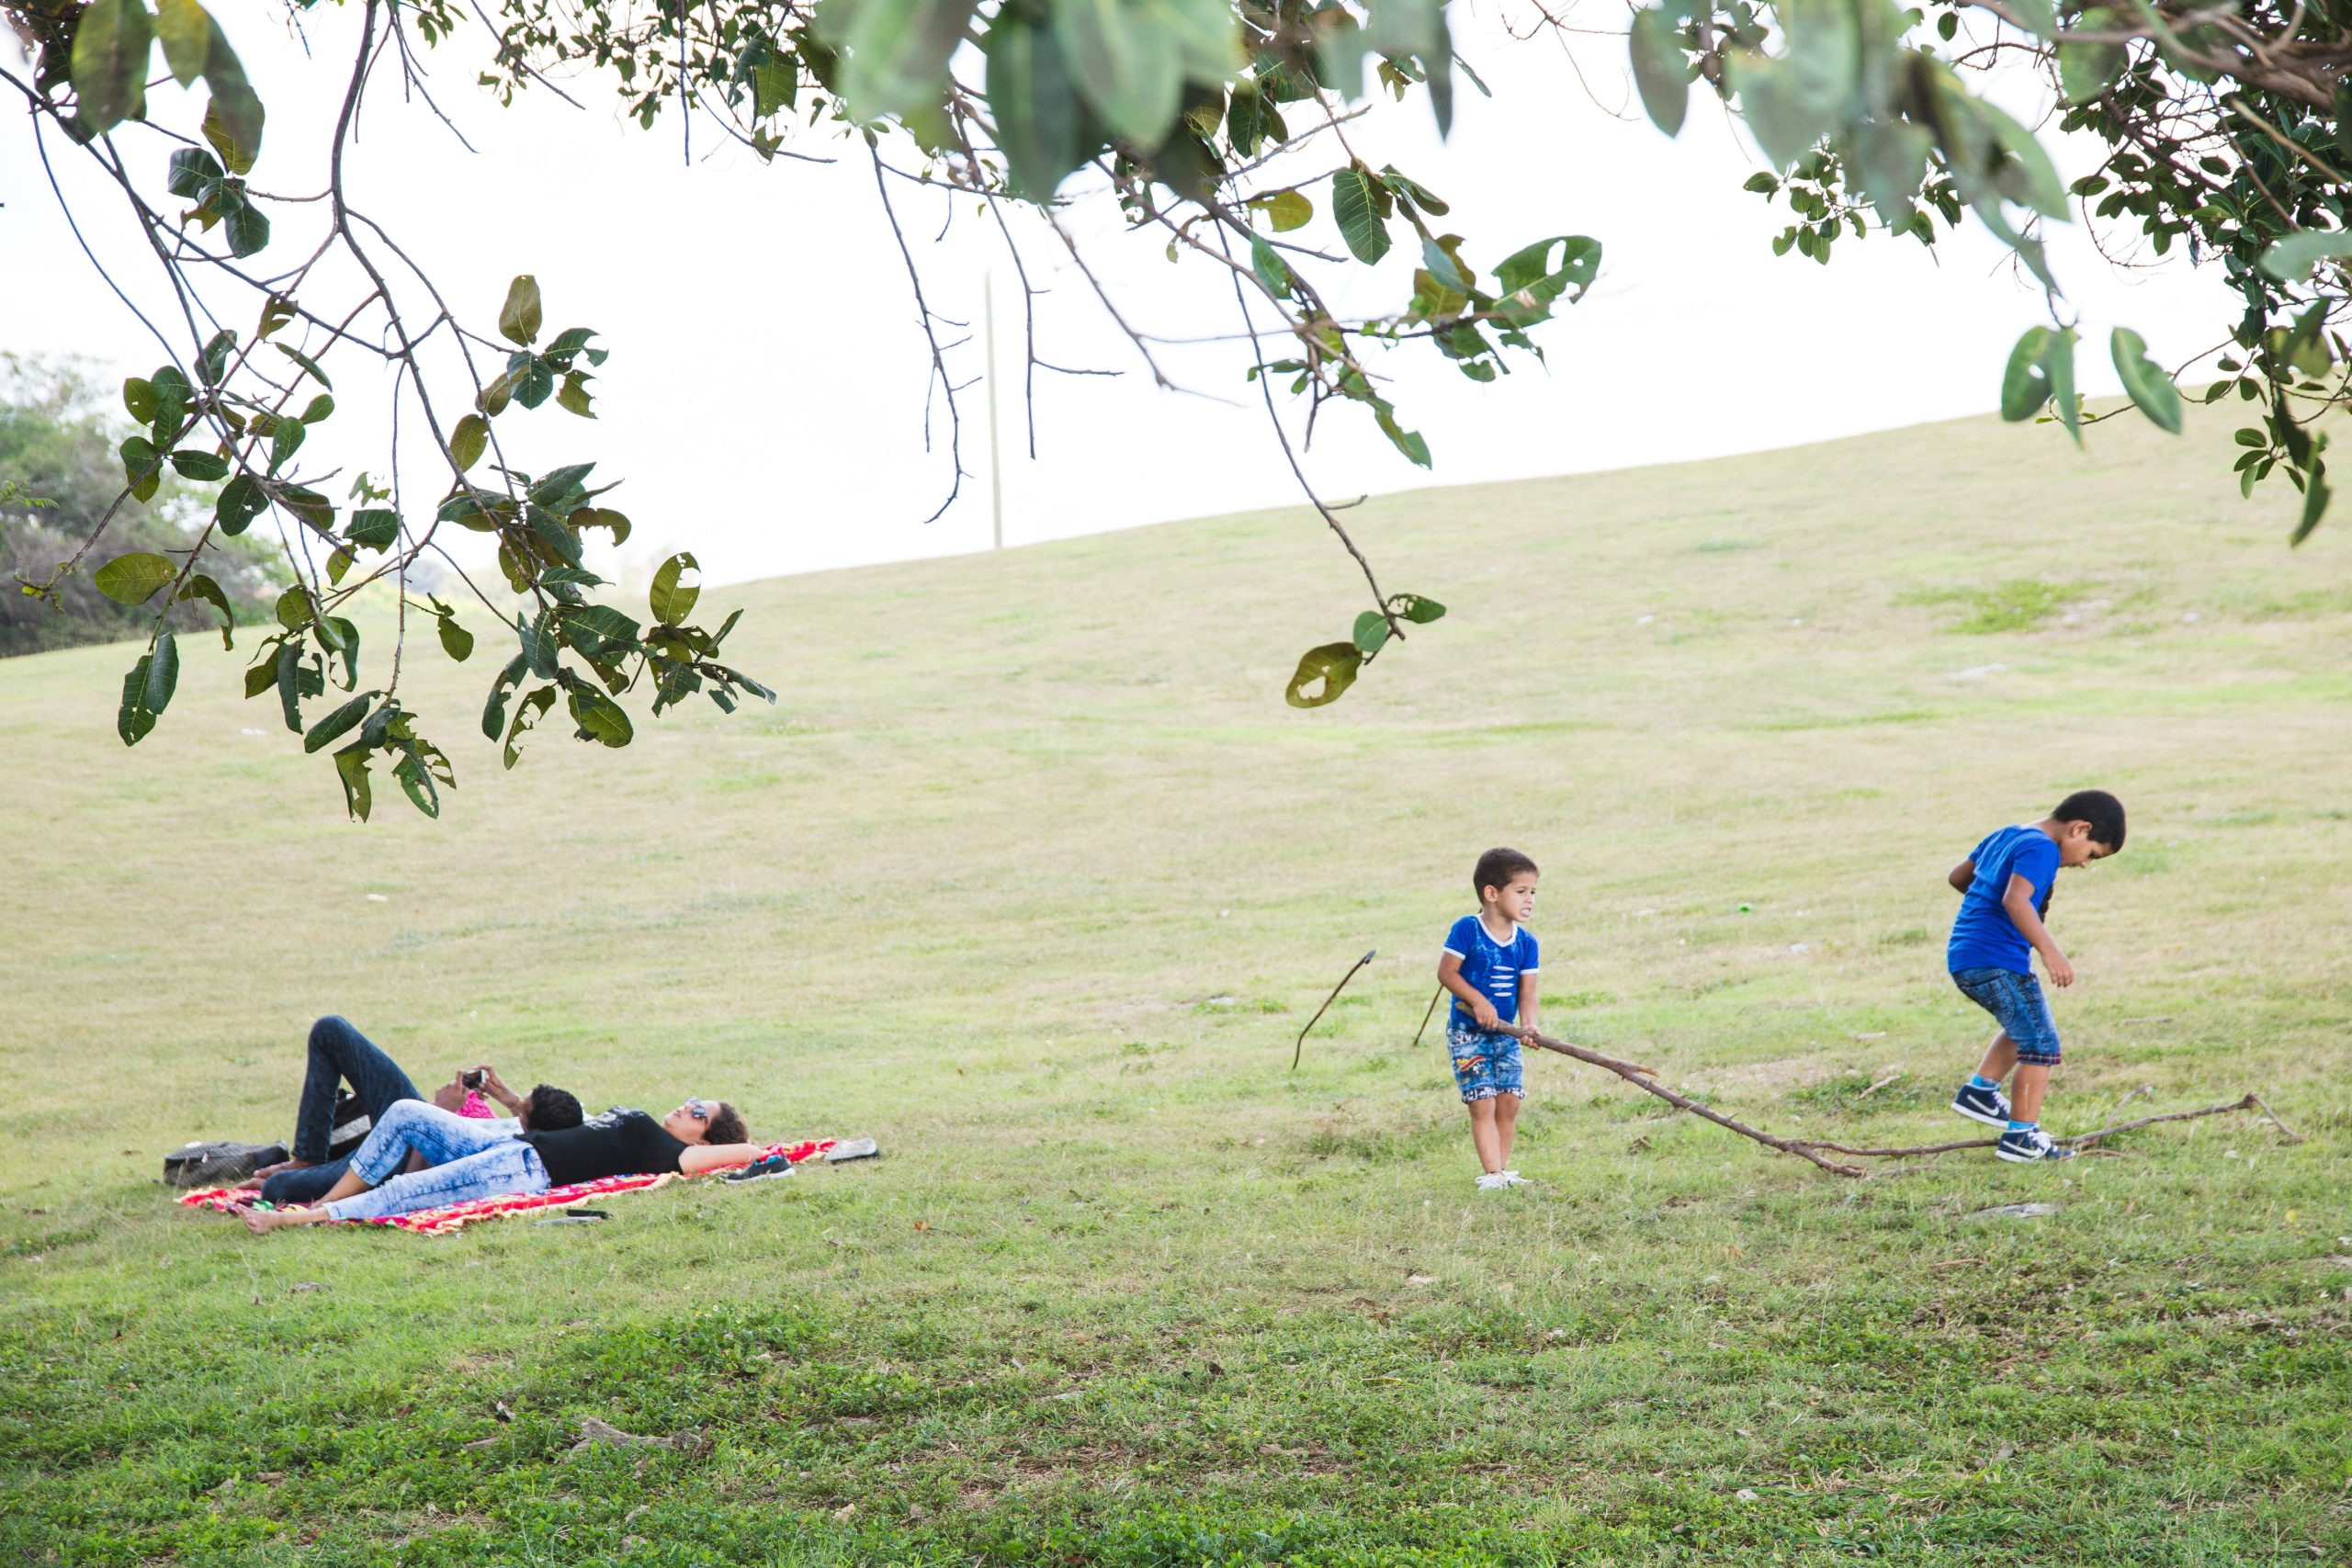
(1492, 966)
(1982, 935)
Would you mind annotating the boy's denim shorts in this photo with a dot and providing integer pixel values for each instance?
(1483, 1065)
(2016, 1000)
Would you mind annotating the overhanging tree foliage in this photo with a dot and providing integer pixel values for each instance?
(1223, 126)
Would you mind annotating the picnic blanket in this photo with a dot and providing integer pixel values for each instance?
(442, 1221)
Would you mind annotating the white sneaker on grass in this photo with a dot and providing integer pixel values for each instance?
(1512, 1178)
(1492, 1181)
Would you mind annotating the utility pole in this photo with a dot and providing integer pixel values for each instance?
(996, 444)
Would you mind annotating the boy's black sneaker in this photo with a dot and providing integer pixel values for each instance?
(760, 1169)
(1989, 1106)
(2026, 1145)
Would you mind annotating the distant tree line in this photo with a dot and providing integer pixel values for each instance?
(59, 475)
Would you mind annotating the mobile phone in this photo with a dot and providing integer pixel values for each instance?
(472, 1079)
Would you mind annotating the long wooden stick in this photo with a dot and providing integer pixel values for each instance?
(1297, 1050)
(1640, 1078)
(2249, 1102)
(1431, 1013)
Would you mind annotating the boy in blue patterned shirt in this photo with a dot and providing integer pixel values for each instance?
(2005, 887)
(1489, 964)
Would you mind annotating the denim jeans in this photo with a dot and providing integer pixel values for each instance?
(464, 1158)
(339, 1054)
(2017, 1003)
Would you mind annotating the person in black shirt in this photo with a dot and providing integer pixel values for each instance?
(463, 1161)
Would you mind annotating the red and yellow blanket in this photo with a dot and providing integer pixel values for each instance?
(440, 1222)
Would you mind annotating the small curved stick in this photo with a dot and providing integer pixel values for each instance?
(1431, 1013)
(1299, 1048)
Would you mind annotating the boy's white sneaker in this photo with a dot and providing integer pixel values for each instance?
(1512, 1178)
(1492, 1181)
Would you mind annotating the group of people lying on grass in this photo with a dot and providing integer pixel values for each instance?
(425, 1155)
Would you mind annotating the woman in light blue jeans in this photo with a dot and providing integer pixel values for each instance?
(464, 1158)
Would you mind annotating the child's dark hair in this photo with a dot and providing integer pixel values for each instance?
(1497, 867)
(547, 1109)
(2100, 810)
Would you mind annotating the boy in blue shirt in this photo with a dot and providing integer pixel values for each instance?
(2004, 886)
(1489, 964)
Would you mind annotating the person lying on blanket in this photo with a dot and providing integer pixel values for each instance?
(464, 1158)
(338, 1054)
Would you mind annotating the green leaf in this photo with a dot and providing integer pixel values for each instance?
(1124, 64)
(1268, 265)
(2085, 69)
(350, 767)
(199, 586)
(132, 579)
(110, 49)
(1442, 255)
(573, 394)
(2291, 260)
(518, 319)
(1036, 104)
(1333, 666)
(246, 225)
(1287, 209)
(895, 52)
(213, 363)
(1531, 283)
(260, 676)
(601, 632)
(139, 397)
(469, 441)
(338, 723)
(308, 365)
(206, 468)
(2145, 381)
(193, 172)
(494, 713)
(2058, 359)
(141, 467)
(342, 640)
(456, 641)
(1371, 632)
(1661, 70)
(1412, 190)
(1354, 207)
(1416, 609)
(2315, 499)
(1792, 102)
(417, 778)
(285, 441)
(373, 528)
(318, 410)
(2025, 385)
(290, 667)
(242, 500)
(134, 719)
(600, 718)
(185, 29)
(1408, 442)
(294, 610)
(276, 312)
(603, 517)
(538, 646)
(672, 602)
(233, 119)
(162, 672)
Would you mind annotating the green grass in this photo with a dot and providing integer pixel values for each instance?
(1031, 875)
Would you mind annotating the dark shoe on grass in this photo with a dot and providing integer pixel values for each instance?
(760, 1169)
(1989, 1106)
(2030, 1145)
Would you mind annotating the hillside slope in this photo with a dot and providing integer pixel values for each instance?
(1031, 873)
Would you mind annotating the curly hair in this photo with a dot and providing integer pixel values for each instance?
(547, 1109)
(725, 1125)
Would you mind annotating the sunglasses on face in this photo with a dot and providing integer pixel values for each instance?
(697, 1109)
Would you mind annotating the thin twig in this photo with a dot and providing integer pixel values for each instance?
(1431, 1013)
(1299, 1048)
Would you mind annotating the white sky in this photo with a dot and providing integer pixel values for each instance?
(764, 398)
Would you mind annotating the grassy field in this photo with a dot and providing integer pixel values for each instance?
(1031, 875)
